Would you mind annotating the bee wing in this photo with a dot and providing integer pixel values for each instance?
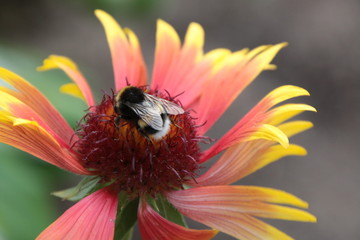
(149, 113)
(165, 106)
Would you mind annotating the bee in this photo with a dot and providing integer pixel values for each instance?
(148, 112)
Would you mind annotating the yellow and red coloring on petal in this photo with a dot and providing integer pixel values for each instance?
(128, 162)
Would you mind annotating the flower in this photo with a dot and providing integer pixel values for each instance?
(134, 169)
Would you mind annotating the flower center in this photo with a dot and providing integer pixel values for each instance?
(119, 152)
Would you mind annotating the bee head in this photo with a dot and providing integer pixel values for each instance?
(131, 94)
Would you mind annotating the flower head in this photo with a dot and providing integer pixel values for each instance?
(143, 148)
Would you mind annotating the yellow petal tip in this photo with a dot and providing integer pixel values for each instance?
(21, 121)
(99, 12)
(73, 90)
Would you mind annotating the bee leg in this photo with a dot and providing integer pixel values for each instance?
(117, 122)
(173, 122)
(144, 134)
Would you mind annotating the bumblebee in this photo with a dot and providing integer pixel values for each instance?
(148, 112)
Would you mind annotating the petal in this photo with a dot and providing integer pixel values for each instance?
(33, 98)
(287, 111)
(232, 209)
(173, 63)
(92, 218)
(73, 90)
(70, 68)
(247, 157)
(242, 160)
(232, 76)
(128, 63)
(166, 52)
(155, 227)
(271, 133)
(273, 154)
(192, 84)
(294, 127)
(17, 109)
(30, 137)
(180, 70)
(257, 123)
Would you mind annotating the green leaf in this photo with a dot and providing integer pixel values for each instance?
(168, 211)
(126, 217)
(25, 206)
(78, 192)
(128, 235)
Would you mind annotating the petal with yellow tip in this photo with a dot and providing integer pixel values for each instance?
(232, 76)
(32, 138)
(73, 90)
(241, 160)
(273, 154)
(269, 132)
(179, 67)
(287, 111)
(166, 52)
(194, 36)
(128, 63)
(19, 110)
(284, 93)
(34, 99)
(263, 116)
(294, 127)
(71, 69)
(232, 209)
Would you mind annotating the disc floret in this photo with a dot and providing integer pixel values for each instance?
(133, 162)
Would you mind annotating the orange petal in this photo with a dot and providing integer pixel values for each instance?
(180, 70)
(33, 98)
(30, 137)
(231, 209)
(70, 68)
(247, 157)
(18, 110)
(257, 123)
(231, 77)
(166, 52)
(244, 159)
(128, 63)
(92, 218)
(154, 227)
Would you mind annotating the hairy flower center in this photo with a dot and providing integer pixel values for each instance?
(133, 162)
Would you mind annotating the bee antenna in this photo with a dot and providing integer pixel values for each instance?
(172, 98)
(127, 81)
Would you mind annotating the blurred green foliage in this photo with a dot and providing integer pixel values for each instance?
(26, 206)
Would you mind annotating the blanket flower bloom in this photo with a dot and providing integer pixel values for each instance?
(159, 177)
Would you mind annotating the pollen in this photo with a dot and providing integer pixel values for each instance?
(129, 160)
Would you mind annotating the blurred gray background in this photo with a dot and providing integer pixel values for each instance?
(322, 56)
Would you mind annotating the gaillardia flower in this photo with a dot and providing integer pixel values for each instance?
(142, 160)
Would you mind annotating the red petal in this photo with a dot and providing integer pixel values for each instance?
(93, 218)
(155, 227)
